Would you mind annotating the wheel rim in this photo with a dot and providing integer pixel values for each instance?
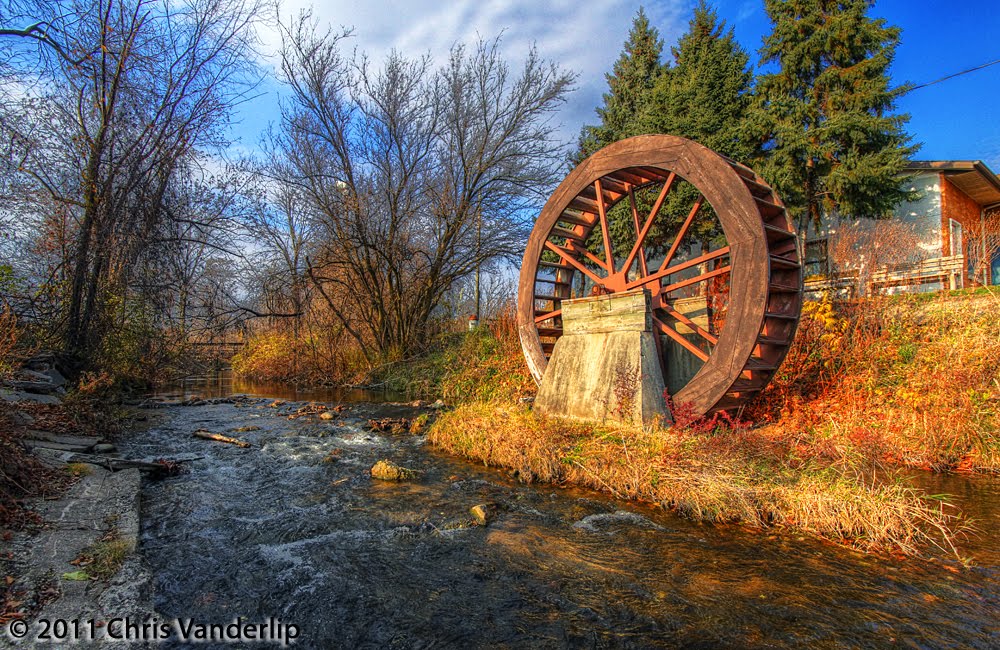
(758, 263)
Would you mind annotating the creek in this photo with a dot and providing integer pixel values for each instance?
(295, 528)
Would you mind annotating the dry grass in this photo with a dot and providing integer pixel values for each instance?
(105, 557)
(909, 381)
(725, 476)
(483, 365)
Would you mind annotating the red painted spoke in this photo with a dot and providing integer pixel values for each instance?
(690, 323)
(572, 261)
(549, 315)
(683, 231)
(669, 331)
(643, 268)
(590, 256)
(602, 213)
(641, 236)
(696, 279)
(659, 275)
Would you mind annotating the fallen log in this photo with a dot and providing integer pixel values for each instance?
(218, 437)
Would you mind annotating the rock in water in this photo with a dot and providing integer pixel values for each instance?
(327, 415)
(482, 513)
(387, 470)
(104, 448)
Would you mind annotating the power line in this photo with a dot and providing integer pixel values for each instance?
(957, 74)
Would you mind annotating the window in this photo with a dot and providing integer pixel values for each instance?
(817, 262)
(955, 229)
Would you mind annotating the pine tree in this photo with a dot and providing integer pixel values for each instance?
(706, 95)
(629, 85)
(834, 144)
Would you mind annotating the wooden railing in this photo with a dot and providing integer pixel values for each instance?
(949, 271)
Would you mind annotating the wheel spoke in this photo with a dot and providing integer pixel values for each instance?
(549, 315)
(602, 213)
(590, 256)
(690, 323)
(675, 335)
(572, 261)
(641, 236)
(643, 268)
(659, 275)
(683, 232)
(696, 279)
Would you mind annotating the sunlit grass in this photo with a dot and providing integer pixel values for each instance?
(724, 476)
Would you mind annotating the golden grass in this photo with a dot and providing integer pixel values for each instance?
(728, 476)
(910, 381)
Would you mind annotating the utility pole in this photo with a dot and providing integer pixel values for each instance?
(479, 246)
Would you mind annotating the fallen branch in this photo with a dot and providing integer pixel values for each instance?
(218, 437)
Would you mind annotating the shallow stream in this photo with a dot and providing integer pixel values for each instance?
(285, 529)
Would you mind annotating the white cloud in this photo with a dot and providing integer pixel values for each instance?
(584, 37)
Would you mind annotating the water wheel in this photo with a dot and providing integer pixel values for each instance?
(704, 234)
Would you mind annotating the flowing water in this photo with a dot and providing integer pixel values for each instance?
(295, 528)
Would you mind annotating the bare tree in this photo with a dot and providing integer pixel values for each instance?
(414, 176)
(154, 85)
(984, 247)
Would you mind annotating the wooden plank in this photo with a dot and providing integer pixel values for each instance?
(62, 439)
(782, 263)
(641, 236)
(618, 312)
(669, 331)
(542, 316)
(57, 446)
(682, 232)
(690, 323)
(568, 234)
(775, 233)
(695, 261)
(576, 220)
(573, 262)
(602, 214)
(696, 279)
(767, 208)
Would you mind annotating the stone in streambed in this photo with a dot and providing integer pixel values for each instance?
(387, 470)
(104, 448)
(327, 415)
(482, 513)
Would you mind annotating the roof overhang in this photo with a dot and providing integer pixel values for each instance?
(971, 176)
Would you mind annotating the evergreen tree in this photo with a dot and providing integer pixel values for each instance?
(629, 85)
(834, 145)
(706, 95)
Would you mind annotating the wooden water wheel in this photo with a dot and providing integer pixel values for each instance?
(704, 234)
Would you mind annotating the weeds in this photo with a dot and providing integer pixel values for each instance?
(905, 380)
(746, 477)
(625, 387)
(104, 558)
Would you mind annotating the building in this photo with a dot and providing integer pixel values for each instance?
(946, 237)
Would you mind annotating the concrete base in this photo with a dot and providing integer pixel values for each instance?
(605, 366)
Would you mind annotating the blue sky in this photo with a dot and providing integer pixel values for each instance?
(958, 119)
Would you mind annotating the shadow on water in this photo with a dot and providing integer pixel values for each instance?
(296, 529)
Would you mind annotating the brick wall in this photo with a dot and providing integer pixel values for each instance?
(956, 204)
